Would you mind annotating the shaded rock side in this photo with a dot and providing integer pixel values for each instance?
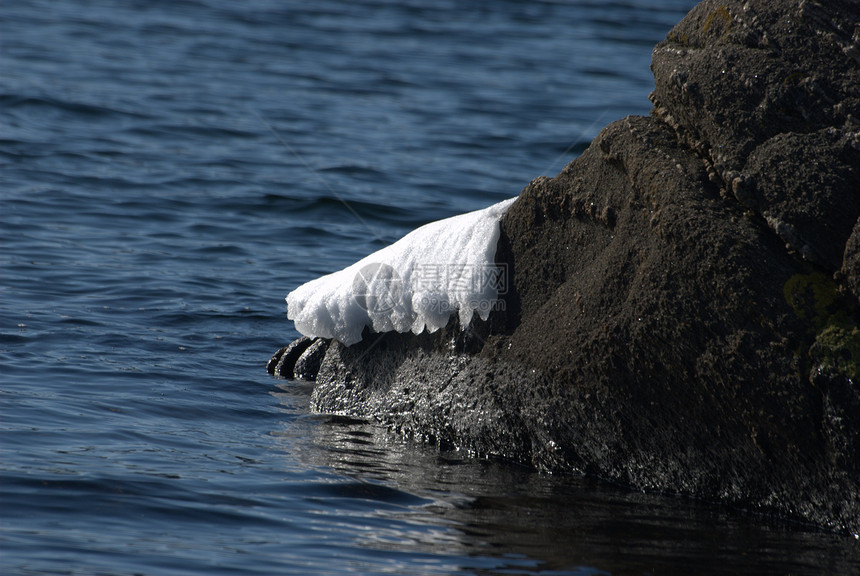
(686, 326)
(679, 319)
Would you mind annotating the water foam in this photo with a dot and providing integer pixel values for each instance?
(417, 283)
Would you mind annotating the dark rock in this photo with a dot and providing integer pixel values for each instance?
(683, 304)
(768, 94)
(301, 359)
(283, 363)
(272, 364)
(851, 263)
(308, 364)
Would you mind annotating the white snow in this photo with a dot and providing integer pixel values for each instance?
(414, 284)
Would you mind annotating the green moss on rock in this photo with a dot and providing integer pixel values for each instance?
(835, 337)
(837, 350)
(813, 297)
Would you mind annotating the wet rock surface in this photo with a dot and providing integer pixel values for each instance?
(683, 304)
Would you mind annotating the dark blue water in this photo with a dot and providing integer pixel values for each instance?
(170, 170)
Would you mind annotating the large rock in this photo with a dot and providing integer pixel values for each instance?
(682, 313)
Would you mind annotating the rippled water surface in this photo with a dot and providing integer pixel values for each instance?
(171, 169)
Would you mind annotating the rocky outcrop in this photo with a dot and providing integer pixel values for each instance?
(683, 304)
(769, 94)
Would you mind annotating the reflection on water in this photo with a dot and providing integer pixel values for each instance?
(497, 517)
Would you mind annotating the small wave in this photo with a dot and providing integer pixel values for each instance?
(360, 491)
(333, 206)
(13, 103)
(355, 170)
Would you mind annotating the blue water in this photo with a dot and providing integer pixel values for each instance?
(171, 169)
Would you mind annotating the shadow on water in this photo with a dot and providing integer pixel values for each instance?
(496, 517)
